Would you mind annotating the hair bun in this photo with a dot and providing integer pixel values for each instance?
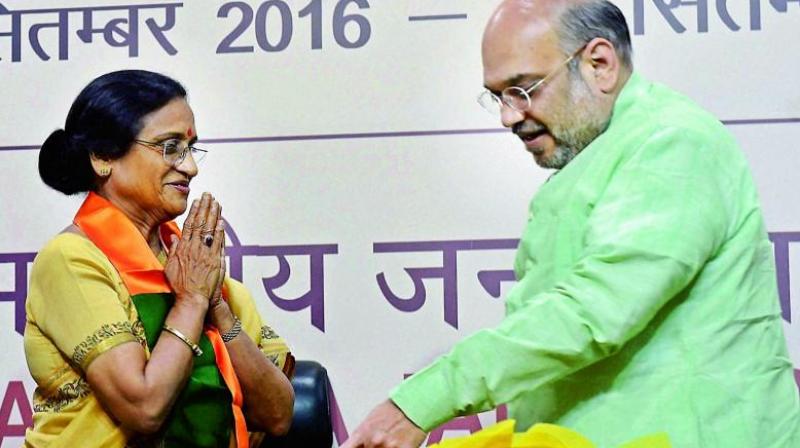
(63, 166)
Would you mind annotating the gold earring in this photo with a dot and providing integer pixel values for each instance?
(105, 171)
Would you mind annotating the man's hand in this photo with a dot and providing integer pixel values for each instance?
(386, 427)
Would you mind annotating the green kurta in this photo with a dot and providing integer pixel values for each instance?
(646, 298)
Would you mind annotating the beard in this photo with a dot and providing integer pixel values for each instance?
(575, 124)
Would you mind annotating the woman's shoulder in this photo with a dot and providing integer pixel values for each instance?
(68, 243)
(67, 248)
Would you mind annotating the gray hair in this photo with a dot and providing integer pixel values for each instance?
(586, 20)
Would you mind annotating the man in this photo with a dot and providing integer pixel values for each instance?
(646, 299)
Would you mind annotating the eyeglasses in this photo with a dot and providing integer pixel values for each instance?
(173, 153)
(518, 98)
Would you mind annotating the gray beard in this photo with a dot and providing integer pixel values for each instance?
(560, 158)
(578, 128)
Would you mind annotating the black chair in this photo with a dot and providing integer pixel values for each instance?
(311, 423)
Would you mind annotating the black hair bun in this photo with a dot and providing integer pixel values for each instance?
(64, 166)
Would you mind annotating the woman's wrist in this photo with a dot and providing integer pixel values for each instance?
(231, 334)
(193, 301)
(222, 317)
(189, 343)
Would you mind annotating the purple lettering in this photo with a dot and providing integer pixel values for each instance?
(781, 242)
(117, 31)
(20, 291)
(15, 395)
(314, 298)
(447, 273)
(666, 9)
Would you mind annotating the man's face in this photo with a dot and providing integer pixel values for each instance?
(565, 115)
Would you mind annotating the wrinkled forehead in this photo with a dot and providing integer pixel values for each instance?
(515, 46)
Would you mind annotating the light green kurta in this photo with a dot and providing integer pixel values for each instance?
(646, 298)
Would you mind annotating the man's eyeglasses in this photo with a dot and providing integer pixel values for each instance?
(519, 98)
(174, 154)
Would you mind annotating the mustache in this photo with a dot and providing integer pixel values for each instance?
(527, 128)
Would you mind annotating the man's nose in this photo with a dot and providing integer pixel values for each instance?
(510, 116)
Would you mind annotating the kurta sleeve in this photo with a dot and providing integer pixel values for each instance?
(74, 301)
(268, 341)
(659, 219)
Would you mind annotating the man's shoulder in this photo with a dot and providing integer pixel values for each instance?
(668, 109)
(654, 115)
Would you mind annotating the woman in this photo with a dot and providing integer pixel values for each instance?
(133, 337)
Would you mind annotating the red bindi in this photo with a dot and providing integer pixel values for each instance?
(190, 133)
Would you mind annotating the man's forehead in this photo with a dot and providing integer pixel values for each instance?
(525, 49)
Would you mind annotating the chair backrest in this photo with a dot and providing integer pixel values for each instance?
(311, 423)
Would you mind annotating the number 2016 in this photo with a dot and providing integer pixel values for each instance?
(314, 9)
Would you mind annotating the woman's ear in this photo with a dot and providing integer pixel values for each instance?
(101, 167)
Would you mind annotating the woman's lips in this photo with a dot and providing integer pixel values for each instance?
(183, 188)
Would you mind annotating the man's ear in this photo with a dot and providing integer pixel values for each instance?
(101, 167)
(602, 68)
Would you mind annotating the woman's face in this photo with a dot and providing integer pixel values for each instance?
(142, 183)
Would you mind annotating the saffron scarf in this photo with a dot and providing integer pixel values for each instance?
(210, 405)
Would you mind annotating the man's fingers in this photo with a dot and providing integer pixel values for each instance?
(366, 437)
(378, 440)
(386, 427)
(352, 442)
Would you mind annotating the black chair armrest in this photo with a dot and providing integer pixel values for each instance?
(311, 423)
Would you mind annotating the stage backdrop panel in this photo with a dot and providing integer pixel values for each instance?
(346, 145)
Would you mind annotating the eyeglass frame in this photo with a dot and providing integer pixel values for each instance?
(526, 93)
(160, 147)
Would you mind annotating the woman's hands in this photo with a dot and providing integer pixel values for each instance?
(140, 391)
(219, 314)
(195, 272)
(194, 268)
